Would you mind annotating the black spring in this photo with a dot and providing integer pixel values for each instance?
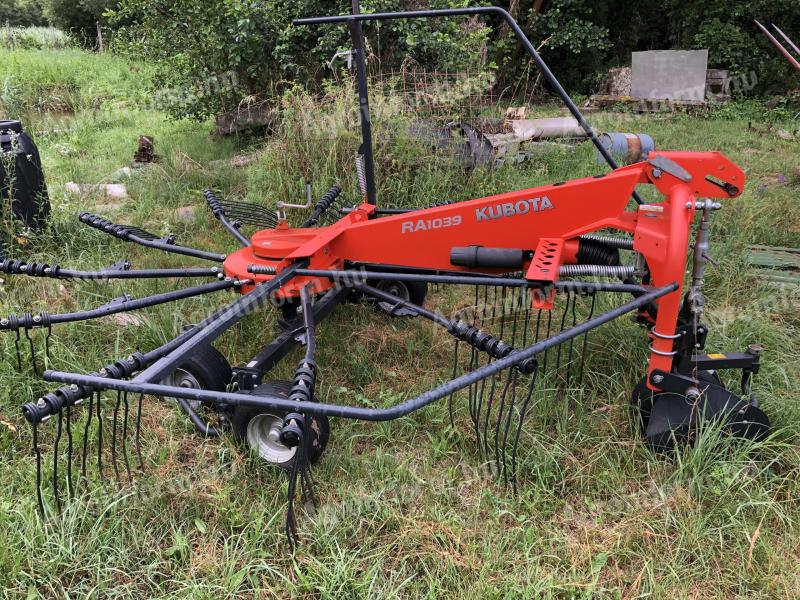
(214, 203)
(25, 321)
(488, 343)
(305, 378)
(18, 267)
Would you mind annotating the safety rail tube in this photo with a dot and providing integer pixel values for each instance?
(512, 23)
(353, 277)
(356, 412)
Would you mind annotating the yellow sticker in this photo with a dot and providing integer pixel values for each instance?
(716, 356)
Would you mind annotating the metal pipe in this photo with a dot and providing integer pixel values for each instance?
(357, 35)
(229, 317)
(357, 412)
(512, 23)
(140, 273)
(792, 45)
(352, 278)
(792, 60)
(215, 204)
(123, 305)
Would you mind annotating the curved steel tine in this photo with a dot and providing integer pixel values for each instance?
(56, 444)
(138, 440)
(16, 346)
(572, 340)
(99, 437)
(48, 334)
(86, 430)
(38, 454)
(68, 417)
(586, 343)
(125, 435)
(500, 409)
(33, 352)
(114, 436)
(547, 335)
(509, 413)
(453, 376)
(522, 414)
(561, 328)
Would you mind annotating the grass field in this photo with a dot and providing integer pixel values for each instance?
(406, 507)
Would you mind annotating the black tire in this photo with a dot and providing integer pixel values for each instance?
(243, 416)
(206, 369)
(413, 291)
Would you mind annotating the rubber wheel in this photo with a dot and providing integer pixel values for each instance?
(258, 428)
(206, 369)
(643, 398)
(412, 291)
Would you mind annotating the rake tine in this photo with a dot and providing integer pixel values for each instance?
(125, 435)
(453, 376)
(38, 454)
(522, 414)
(509, 414)
(114, 436)
(547, 335)
(99, 437)
(70, 488)
(585, 343)
(572, 340)
(55, 462)
(500, 413)
(138, 432)
(86, 430)
(47, 346)
(33, 352)
(16, 346)
(561, 328)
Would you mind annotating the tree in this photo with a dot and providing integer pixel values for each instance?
(22, 13)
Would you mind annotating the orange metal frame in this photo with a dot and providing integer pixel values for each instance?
(546, 220)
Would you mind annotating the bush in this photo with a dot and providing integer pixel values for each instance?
(22, 13)
(78, 17)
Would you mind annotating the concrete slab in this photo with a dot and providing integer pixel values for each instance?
(669, 74)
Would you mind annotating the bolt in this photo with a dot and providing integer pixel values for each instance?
(656, 173)
(693, 393)
(37, 319)
(41, 403)
(658, 378)
(4, 322)
(74, 387)
(755, 349)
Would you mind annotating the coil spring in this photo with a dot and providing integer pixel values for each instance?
(214, 203)
(305, 378)
(486, 342)
(262, 270)
(18, 267)
(598, 270)
(362, 179)
(25, 321)
(328, 198)
(120, 231)
(72, 395)
(440, 203)
(608, 240)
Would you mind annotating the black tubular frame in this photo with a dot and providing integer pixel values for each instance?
(119, 305)
(122, 232)
(141, 385)
(354, 19)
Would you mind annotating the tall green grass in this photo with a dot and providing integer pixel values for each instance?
(67, 80)
(34, 38)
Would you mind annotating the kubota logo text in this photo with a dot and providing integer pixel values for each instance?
(509, 209)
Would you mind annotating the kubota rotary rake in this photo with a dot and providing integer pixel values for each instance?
(526, 254)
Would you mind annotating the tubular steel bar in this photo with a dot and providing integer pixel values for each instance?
(124, 233)
(792, 45)
(512, 23)
(18, 267)
(354, 277)
(357, 35)
(357, 412)
(215, 204)
(774, 41)
(44, 319)
(224, 321)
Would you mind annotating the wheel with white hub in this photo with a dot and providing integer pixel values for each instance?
(260, 428)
